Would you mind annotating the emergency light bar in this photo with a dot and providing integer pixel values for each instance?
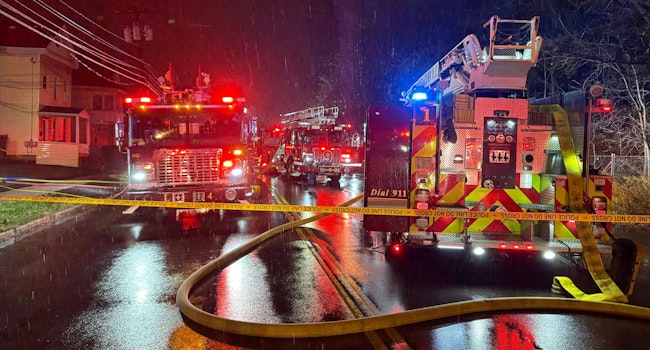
(143, 99)
(419, 96)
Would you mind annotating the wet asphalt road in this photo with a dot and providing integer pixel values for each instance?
(108, 281)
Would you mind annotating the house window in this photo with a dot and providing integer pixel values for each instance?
(97, 102)
(54, 93)
(109, 103)
(65, 91)
(57, 129)
(83, 130)
(44, 82)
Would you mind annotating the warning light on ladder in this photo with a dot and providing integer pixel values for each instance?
(603, 105)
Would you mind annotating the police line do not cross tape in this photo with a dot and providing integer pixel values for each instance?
(382, 211)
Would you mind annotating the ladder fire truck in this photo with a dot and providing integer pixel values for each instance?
(190, 146)
(469, 140)
(313, 147)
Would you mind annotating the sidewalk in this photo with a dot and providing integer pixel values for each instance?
(9, 168)
(11, 171)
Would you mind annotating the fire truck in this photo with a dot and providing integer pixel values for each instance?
(190, 145)
(313, 147)
(468, 139)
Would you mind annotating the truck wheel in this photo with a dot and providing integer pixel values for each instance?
(335, 181)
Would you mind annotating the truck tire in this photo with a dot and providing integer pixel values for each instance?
(335, 181)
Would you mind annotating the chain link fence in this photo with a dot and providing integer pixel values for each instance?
(618, 166)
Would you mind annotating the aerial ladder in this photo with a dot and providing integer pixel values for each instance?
(476, 79)
(503, 65)
(310, 116)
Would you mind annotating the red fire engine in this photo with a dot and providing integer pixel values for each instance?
(470, 140)
(191, 146)
(314, 147)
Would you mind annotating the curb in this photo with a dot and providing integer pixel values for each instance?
(15, 234)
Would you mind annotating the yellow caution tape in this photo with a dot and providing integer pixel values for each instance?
(451, 213)
(610, 291)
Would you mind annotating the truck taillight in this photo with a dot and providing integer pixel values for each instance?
(516, 246)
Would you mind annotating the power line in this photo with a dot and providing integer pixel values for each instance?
(117, 66)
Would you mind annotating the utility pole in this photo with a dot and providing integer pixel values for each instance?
(134, 32)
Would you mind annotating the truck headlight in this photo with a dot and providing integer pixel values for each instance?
(308, 158)
(231, 194)
(139, 175)
(236, 172)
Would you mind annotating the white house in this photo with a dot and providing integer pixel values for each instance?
(36, 114)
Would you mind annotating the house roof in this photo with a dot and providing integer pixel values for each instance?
(56, 110)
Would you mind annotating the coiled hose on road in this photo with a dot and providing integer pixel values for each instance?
(322, 329)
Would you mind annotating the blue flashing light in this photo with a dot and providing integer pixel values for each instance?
(419, 96)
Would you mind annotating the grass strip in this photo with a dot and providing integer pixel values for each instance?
(17, 213)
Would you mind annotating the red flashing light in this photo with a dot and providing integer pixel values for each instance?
(529, 247)
(322, 148)
(228, 163)
(502, 245)
(237, 152)
(397, 248)
(227, 99)
(604, 105)
(345, 155)
(131, 100)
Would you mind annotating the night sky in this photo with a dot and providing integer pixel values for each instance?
(289, 55)
(286, 54)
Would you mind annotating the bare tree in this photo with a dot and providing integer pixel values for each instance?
(606, 42)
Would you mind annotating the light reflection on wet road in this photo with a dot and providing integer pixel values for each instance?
(110, 283)
(131, 309)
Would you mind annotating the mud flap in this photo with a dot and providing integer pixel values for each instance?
(624, 265)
